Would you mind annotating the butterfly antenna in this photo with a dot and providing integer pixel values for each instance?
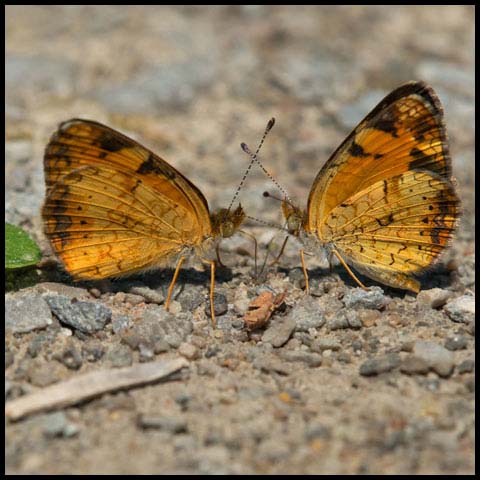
(287, 199)
(254, 158)
(269, 126)
(268, 224)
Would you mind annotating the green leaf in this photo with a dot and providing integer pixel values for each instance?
(20, 250)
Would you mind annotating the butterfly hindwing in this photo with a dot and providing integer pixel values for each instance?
(395, 227)
(112, 206)
(385, 200)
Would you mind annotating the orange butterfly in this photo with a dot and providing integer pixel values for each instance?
(114, 208)
(385, 201)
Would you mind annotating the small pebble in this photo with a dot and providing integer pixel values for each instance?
(322, 344)
(121, 322)
(378, 365)
(438, 358)
(70, 357)
(434, 297)
(119, 356)
(87, 317)
(461, 309)
(307, 315)
(458, 342)
(414, 365)
(279, 331)
(146, 353)
(311, 359)
(57, 425)
(372, 298)
(149, 295)
(167, 423)
(188, 351)
(348, 319)
(467, 366)
(220, 305)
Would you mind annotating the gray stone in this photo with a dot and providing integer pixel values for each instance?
(57, 425)
(348, 319)
(87, 317)
(93, 351)
(220, 305)
(321, 344)
(438, 358)
(279, 331)
(269, 363)
(461, 309)
(378, 365)
(42, 373)
(146, 353)
(150, 295)
(372, 298)
(307, 316)
(120, 323)
(70, 357)
(119, 356)
(169, 424)
(311, 359)
(434, 297)
(467, 366)
(458, 342)
(25, 312)
(188, 350)
(412, 365)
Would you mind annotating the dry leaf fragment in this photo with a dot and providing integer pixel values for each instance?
(261, 309)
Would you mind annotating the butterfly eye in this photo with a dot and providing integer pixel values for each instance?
(227, 229)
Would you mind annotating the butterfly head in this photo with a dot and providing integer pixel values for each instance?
(294, 216)
(226, 222)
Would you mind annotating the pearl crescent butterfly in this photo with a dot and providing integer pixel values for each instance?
(114, 208)
(385, 201)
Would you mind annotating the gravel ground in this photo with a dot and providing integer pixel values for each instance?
(342, 381)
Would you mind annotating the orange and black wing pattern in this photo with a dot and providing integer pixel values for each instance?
(385, 200)
(112, 206)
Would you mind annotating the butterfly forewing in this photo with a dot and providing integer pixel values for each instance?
(112, 206)
(385, 200)
(404, 132)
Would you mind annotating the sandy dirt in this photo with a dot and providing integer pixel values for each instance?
(342, 381)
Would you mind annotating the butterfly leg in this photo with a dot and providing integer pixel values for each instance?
(252, 237)
(281, 252)
(330, 264)
(172, 283)
(347, 268)
(217, 251)
(305, 273)
(212, 290)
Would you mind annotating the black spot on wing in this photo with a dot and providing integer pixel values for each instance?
(386, 123)
(435, 235)
(62, 222)
(152, 165)
(137, 184)
(356, 150)
(110, 143)
(420, 159)
(386, 220)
